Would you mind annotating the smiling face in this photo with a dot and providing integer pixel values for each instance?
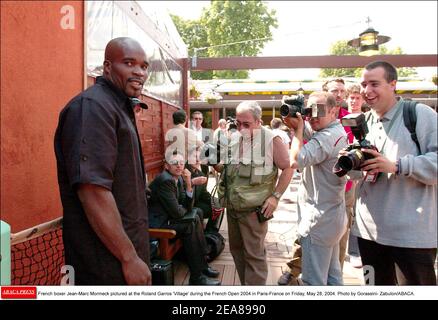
(378, 93)
(126, 65)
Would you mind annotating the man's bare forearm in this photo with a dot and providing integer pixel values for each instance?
(284, 180)
(297, 144)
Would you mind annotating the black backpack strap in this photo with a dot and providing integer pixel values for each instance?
(410, 120)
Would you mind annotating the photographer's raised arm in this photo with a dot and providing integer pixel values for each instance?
(104, 217)
(297, 142)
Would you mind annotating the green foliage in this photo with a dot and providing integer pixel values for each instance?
(195, 36)
(225, 22)
(341, 48)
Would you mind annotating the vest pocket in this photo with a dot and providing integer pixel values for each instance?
(250, 197)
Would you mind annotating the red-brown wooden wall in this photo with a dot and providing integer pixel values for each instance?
(42, 68)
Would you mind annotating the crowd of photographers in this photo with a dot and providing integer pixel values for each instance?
(382, 183)
(360, 172)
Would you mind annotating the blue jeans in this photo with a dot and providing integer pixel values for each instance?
(320, 264)
(353, 246)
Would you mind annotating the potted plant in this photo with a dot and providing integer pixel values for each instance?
(193, 92)
(211, 97)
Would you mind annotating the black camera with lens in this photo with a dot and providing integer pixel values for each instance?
(355, 158)
(293, 104)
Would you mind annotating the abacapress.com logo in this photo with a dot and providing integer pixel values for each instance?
(11, 292)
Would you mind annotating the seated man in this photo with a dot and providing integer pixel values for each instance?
(170, 202)
(201, 196)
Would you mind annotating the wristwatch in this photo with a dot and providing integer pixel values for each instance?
(277, 195)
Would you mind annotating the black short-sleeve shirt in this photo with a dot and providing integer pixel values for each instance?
(97, 142)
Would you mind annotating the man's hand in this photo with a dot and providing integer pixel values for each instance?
(136, 272)
(269, 206)
(186, 175)
(378, 164)
(294, 123)
(103, 215)
(199, 181)
(343, 152)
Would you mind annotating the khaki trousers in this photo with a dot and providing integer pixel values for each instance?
(247, 246)
(349, 208)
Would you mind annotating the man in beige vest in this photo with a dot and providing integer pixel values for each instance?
(249, 181)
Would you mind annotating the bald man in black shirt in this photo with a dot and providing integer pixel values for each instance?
(101, 174)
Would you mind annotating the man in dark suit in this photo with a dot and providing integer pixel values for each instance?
(201, 195)
(172, 208)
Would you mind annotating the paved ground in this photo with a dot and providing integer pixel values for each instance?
(278, 245)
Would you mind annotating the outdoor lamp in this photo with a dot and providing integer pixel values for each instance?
(368, 42)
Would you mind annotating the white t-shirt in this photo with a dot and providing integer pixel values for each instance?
(283, 135)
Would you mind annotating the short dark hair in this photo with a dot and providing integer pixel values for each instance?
(197, 112)
(390, 70)
(330, 99)
(175, 153)
(179, 117)
(276, 123)
(325, 85)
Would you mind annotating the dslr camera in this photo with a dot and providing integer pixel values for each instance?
(293, 104)
(355, 158)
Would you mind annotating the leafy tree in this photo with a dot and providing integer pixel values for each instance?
(226, 22)
(194, 35)
(403, 72)
(340, 48)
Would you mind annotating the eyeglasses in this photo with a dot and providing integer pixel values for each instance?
(246, 125)
(176, 162)
(197, 118)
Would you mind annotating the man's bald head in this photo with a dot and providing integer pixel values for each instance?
(117, 44)
(125, 65)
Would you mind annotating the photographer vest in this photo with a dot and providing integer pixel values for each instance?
(245, 185)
